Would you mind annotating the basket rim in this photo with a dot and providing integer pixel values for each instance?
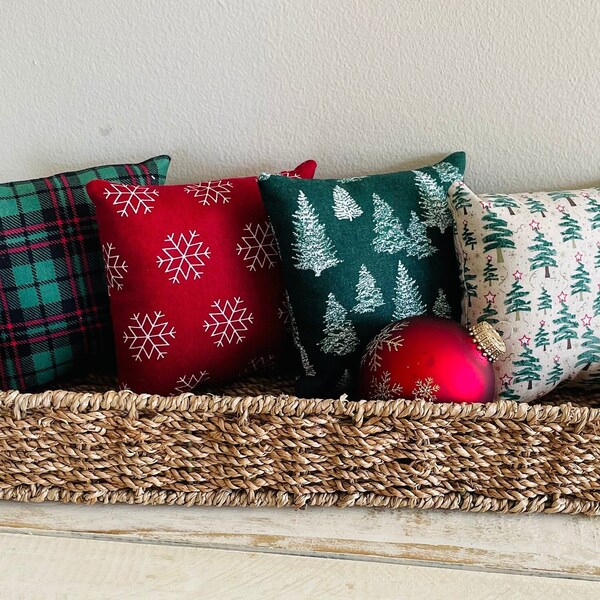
(286, 405)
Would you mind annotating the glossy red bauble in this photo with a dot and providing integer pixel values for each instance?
(427, 358)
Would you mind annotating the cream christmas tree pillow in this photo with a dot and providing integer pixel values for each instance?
(530, 266)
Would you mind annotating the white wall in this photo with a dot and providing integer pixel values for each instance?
(237, 86)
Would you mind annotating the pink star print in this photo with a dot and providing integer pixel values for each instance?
(542, 323)
(578, 257)
(560, 208)
(524, 340)
(556, 358)
(506, 379)
(518, 275)
(489, 256)
(485, 204)
(535, 225)
(490, 298)
(586, 321)
(562, 297)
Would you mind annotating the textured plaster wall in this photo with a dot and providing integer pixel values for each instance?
(237, 86)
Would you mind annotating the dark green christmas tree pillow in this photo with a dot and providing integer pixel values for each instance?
(358, 253)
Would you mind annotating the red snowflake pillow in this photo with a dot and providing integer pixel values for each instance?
(194, 279)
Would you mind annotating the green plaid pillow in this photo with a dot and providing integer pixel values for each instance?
(54, 312)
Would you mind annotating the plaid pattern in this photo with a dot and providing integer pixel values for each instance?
(54, 311)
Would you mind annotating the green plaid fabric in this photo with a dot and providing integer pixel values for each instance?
(54, 311)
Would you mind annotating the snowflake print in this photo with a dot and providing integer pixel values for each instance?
(426, 389)
(384, 339)
(131, 199)
(382, 389)
(261, 363)
(148, 335)
(290, 174)
(211, 191)
(186, 383)
(258, 246)
(114, 267)
(284, 312)
(183, 256)
(229, 321)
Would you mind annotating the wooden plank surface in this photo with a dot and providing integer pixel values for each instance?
(560, 545)
(47, 567)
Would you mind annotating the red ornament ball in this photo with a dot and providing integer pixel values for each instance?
(429, 358)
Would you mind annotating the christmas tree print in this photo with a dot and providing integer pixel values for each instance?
(597, 303)
(368, 295)
(564, 195)
(468, 236)
(536, 207)
(570, 229)
(441, 306)
(529, 367)
(515, 301)
(581, 279)
(541, 339)
(313, 250)
(499, 235)
(544, 301)
(566, 324)
(544, 253)
(447, 172)
(593, 207)
(489, 314)
(389, 235)
(340, 336)
(556, 373)
(345, 382)
(490, 272)
(417, 243)
(590, 349)
(433, 201)
(344, 205)
(407, 298)
(461, 197)
(467, 282)
(503, 201)
(597, 259)
(509, 394)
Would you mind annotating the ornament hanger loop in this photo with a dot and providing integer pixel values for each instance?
(510, 328)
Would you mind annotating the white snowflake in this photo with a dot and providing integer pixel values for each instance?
(114, 267)
(383, 389)
(184, 256)
(259, 246)
(426, 389)
(284, 312)
(186, 383)
(290, 174)
(349, 179)
(211, 191)
(387, 339)
(261, 363)
(148, 335)
(131, 198)
(228, 322)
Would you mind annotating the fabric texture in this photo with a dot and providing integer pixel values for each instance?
(54, 312)
(195, 281)
(530, 266)
(358, 253)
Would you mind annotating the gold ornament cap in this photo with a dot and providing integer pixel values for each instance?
(488, 340)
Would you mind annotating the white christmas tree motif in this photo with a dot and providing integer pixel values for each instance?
(148, 335)
(131, 199)
(447, 172)
(383, 389)
(313, 250)
(344, 205)
(210, 191)
(114, 267)
(417, 242)
(368, 295)
(340, 336)
(183, 257)
(309, 370)
(389, 235)
(258, 246)
(407, 298)
(264, 176)
(349, 179)
(187, 383)
(426, 389)
(229, 321)
(433, 201)
(386, 339)
(260, 364)
(441, 306)
(343, 385)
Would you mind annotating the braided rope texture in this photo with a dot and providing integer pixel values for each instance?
(255, 444)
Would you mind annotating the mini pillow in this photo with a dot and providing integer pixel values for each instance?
(54, 317)
(358, 253)
(531, 267)
(194, 276)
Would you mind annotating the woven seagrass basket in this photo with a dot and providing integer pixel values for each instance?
(256, 444)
